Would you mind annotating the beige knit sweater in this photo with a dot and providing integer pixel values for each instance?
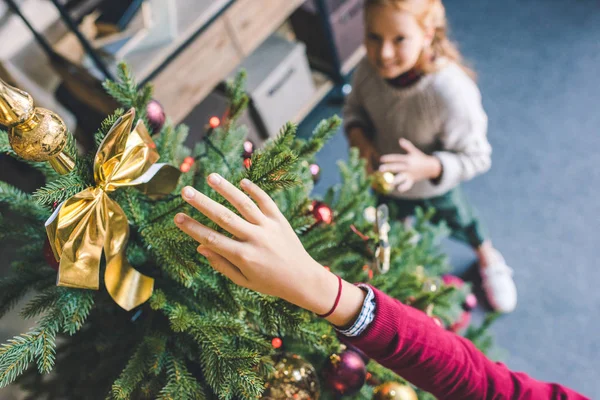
(441, 114)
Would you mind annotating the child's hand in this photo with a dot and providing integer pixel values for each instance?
(412, 167)
(265, 255)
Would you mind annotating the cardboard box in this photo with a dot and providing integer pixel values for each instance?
(279, 82)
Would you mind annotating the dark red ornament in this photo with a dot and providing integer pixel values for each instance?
(358, 351)
(247, 163)
(322, 212)
(315, 172)
(248, 149)
(49, 256)
(156, 116)
(346, 373)
(276, 343)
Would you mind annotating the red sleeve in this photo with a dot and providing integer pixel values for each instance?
(408, 342)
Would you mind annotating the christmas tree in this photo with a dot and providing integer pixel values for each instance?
(163, 324)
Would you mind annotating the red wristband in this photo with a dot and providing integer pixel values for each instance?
(337, 301)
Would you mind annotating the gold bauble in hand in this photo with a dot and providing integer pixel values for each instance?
(383, 182)
(394, 391)
(35, 134)
(294, 378)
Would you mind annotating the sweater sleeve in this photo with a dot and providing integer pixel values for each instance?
(448, 366)
(354, 113)
(466, 151)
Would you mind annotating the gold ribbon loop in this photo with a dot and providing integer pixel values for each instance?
(90, 222)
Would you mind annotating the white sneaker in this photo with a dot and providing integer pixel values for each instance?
(499, 286)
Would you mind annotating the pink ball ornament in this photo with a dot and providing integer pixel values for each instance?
(156, 116)
(315, 172)
(470, 302)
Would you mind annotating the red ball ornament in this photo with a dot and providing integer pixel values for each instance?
(189, 160)
(346, 373)
(248, 149)
(462, 323)
(214, 122)
(322, 212)
(156, 116)
(470, 301)
(185, 167)
(49, 256)
(247, 163)
(315, 172)
(452, 280)
(276, 343)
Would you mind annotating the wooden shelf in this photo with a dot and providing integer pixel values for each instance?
(193, 16)
(324, 86)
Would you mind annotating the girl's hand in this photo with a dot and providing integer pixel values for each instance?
(265, 254)
(410, 168)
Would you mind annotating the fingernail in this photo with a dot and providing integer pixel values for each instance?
(179, 218)
(188, 192)
(215, 179)
(245, 182)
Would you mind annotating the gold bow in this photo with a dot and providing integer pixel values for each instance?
(85, 224)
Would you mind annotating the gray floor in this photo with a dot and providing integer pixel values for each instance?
(539, 71)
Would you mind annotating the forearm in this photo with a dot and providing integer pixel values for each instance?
(357, 136)
(450, 367)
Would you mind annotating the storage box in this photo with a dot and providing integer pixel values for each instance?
(346, 19)
(280, 83)
(215, 105)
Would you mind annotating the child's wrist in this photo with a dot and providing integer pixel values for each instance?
(434, 167)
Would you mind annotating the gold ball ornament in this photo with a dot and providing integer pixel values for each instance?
(35, 134)
(383, 182)
(394, 391)
(40, 138)
(294, 378)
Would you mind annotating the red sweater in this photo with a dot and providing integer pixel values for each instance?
(448, 366)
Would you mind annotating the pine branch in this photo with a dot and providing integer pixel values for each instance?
(321, 135)
(59, 190)
(124, 90)
(139, 363)
(16, 356)
(107, 123)
(21, 203)
(15, 286)
(181, 384)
